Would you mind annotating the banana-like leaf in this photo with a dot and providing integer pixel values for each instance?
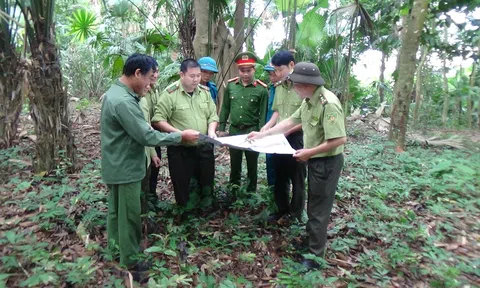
(311, 29)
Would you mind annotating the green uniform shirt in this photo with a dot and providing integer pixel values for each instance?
(286, 101)
(322, 119)
(146, 108)
(124, 135)
(183, 111)
(246, 105)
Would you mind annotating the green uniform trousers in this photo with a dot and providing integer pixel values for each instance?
(323, 175)
(288, 169)
(149, 197)
(124, 223)
(236, 156)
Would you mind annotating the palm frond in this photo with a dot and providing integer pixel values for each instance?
(82, 24)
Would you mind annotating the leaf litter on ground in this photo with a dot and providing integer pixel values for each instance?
(399, 220)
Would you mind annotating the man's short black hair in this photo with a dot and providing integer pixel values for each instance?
(139, 61)
(188, 63)
(155, 67)
(282, 57)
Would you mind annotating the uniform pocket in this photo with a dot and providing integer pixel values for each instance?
(182, 107)
(203, 105)
(313, 121)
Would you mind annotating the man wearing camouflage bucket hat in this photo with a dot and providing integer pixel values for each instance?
(323, 125)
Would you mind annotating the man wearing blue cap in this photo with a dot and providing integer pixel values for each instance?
(274, 81)
(208, 67)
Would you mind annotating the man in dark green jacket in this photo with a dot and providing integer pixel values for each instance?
(124, 135)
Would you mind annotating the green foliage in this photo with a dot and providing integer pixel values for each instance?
(82, 24)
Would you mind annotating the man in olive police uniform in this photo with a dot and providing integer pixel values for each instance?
(245, 102)
(286, 167)
(186, 104)
(323, 125)
(124, 134)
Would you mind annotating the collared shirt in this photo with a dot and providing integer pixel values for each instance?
(213, 91)
(145, 104)
(183, 111)
(124, 135)
(286, 100)
(245, 105)
(322, 119)
(271, 97)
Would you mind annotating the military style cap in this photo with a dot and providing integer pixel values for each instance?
(208, 64)
(269, 66)
(306, 73)
(246, 59)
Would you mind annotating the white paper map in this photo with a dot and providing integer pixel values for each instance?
(274, 144)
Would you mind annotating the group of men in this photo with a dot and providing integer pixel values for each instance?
(136, 117)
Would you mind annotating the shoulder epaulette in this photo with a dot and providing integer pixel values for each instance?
(233, 79)
(172, 88)
(203, 87)
(261, 83)
(323, 100)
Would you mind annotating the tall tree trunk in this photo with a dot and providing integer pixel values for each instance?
(49, 101)
(470, 102)
(400, 32)
(201, 40)
(469, 98)
(458, 99)
(418, 84)
(381, 80)
(224, 55)
(250, 32)
(446, 96)
(293, 27)
(12, 77)
(404, 84)
(239, 29)
(186, 30)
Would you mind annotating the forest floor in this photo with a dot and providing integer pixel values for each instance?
(399, 220)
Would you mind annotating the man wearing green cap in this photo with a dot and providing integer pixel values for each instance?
(322, 120)
(208, 66)
(245, 102)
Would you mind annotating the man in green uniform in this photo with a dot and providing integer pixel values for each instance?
(245, 102)
(150, 197)
(287, 168)
(322, 120)
(124, 135)
(185, 104)
(274, 82)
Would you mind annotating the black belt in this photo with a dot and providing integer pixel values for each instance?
(243, 127)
